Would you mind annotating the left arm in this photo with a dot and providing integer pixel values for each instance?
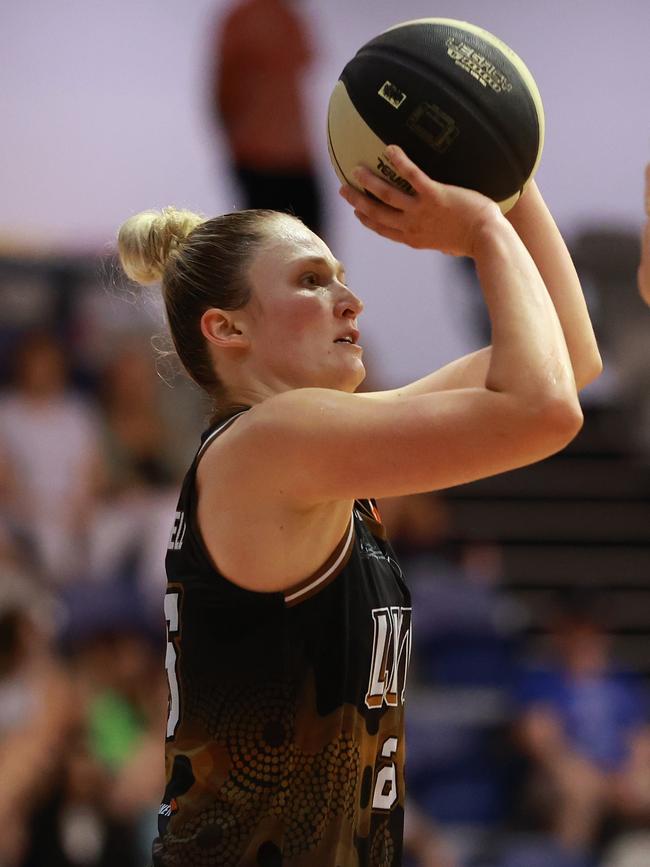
(535, 226)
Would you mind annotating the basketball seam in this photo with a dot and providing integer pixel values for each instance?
(418, 65)
(332, 151)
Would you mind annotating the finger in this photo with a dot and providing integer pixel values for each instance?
(358, 198)
(407, 169)
(376, 211)
(380, 228)
(380, 188)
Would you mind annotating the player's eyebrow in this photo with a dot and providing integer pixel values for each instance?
(323, 262)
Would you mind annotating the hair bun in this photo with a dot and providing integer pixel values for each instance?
(146, 241)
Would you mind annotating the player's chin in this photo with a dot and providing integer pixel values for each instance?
(355, 376)
(342, 375)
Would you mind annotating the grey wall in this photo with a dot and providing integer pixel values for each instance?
(102, 110)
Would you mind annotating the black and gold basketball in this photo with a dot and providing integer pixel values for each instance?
(458, 100)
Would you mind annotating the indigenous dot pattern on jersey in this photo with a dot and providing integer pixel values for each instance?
(265, 775)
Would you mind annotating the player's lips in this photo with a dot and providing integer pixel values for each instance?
(351, 337)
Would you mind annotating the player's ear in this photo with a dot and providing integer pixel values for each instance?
(223, 328)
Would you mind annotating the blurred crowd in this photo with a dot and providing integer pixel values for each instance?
(521, 754)
(88, 480)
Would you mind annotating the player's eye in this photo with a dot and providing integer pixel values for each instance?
(312, 279)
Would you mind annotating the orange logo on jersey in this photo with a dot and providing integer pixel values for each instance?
(375, 511)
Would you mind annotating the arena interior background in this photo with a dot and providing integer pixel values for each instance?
(105, 112)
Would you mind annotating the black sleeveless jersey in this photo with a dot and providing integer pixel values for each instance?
(285, 732)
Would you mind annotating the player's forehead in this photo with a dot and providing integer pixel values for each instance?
(290, 242)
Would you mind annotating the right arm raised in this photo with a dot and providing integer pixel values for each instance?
(319, 445)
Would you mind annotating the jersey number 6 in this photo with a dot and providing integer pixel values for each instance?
(385, 793)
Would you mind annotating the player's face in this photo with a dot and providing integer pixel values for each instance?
(303, 317)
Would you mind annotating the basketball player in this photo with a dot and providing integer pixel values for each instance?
(289, 620)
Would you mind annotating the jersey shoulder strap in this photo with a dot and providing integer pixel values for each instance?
(210, 435)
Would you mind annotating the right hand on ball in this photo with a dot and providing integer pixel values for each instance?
(436, 216)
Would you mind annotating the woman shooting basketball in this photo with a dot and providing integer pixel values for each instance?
(288, 617)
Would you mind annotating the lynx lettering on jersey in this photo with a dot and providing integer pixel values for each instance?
(178, 532)
(391, 651)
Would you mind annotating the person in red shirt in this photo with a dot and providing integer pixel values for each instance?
(263, 52)
(644, 267)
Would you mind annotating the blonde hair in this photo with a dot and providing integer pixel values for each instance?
(200, 264)
(148, 239)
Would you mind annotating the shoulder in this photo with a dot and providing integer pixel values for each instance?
(254, 525)
(287, 427)
(309, 446)
(234, 450)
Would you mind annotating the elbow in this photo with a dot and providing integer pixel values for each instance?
(589, 371)
(560, 420)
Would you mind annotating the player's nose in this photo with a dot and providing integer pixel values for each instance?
(349, 305)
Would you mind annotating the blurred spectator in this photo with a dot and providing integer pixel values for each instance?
(134, 517)
(116, 324)
(539, 851)
(607, 260)
(102, 808)
(424, 844)
(629, 850)
(584, 724)
(262, 53)
(72, 827)
(644, 267)
(465, 634)
(135, 437)
(36, 712)
(466, 630)
(49, 458)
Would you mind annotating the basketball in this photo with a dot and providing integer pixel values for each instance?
(461, 104)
